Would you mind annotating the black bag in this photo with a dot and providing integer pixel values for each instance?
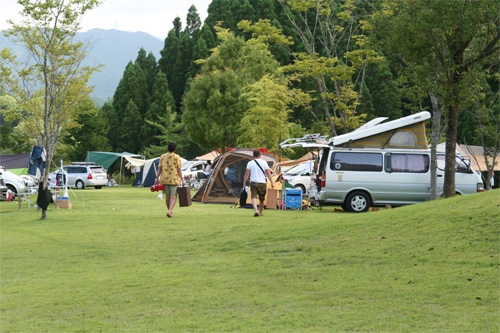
(243, 198)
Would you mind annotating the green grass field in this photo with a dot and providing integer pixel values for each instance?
(115, 262)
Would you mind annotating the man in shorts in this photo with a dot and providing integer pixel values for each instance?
(257, 171)
(170, 175)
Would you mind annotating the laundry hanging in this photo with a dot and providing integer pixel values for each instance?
(37, 160)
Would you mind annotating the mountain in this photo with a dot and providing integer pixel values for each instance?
(111, 48)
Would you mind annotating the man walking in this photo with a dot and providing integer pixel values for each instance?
(170, 175)
(257, 170)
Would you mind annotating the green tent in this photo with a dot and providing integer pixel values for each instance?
(106, 159)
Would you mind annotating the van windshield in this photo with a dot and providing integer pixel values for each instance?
(460, 165)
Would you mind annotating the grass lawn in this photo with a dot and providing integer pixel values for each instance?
(115, 262)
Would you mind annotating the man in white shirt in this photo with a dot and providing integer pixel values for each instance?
(257, 170)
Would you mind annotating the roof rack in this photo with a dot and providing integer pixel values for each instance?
(83, 163)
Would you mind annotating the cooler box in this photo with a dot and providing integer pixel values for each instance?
(64, 203)
(293, 198)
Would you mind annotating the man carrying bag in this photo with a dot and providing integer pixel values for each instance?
(257, 171)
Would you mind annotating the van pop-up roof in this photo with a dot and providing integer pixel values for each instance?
(406, 132)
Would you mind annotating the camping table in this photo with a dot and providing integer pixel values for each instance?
(31, 190)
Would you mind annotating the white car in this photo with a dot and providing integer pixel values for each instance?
(190, 169)
(300, 176)
(31, 181)
(13, 182)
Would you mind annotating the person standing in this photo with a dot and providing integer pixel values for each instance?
(170, 175)
(208, 168)
(257, 171)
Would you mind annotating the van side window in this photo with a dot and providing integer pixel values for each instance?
(356, 162)
(415, 163)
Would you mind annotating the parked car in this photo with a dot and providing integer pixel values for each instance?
(29, 180)
(190, 169)
(82, 174)
(301, 176)
(3, 190)
(13, 182)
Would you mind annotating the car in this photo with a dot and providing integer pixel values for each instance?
(81, 175)
(13, 182)
(190, 169)
(301, 176)
(29, 180)
(3, 190)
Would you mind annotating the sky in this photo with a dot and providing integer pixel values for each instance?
(152, 16)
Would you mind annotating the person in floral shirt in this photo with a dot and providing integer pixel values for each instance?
(170, 175)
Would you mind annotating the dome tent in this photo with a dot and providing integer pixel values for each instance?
(225, 183)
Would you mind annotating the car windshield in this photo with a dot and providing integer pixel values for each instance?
(296, 170)
(186, 165)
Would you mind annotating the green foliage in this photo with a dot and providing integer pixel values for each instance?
(265, 123)
(213, 109)
(165, 129)
(90, 135)
(114, 262)
(338, 73)
(214, 105)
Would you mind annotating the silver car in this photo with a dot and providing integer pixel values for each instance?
(13, 182)
(82, 174)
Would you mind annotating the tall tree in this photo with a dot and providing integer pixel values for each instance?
(220, 11)
(132, 87)
(193, 22)
(54, 75)
(169, 55)
(129, 139)
(214, 105)
(149, 67)
(446, 43)
(160, 100)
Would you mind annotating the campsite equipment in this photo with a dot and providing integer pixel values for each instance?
(225, 183)
(293, 198)
(156, 188)
(184, 194)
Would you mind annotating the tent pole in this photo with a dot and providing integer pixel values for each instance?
(121, 164)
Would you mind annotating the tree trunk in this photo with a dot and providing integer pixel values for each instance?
(451, 146)
(436, 129)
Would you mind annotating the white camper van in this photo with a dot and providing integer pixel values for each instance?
(382, 164)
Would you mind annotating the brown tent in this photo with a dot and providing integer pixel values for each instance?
(225, 183)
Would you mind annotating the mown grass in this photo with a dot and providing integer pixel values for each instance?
(116, 263)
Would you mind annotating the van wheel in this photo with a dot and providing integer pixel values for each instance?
(80, 185)
(357, 202)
